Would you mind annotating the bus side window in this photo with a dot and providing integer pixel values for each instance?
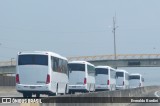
(126, 76)
(60, 65)
(55, 62)
(52, 63)
(63, 66)
(69, 69)
(91, 70)
(113, 74)
(66, 67)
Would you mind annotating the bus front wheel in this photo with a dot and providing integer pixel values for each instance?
(27, 95)
(37, 95)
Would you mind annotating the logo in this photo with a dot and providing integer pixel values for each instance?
(6, 100)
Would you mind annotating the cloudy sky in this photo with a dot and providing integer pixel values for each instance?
(79, 27)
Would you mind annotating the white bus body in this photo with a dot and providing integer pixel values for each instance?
(105, 78)
(136, 80)
(122, 80)
(41, 72)
(81, 76)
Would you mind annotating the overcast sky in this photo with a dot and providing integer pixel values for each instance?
(79, 27)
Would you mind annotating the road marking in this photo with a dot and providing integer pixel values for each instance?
(156, 94)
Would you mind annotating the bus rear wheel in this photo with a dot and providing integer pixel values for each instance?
(37, 95)
(24, 95)
(27, 95)
(71, 92)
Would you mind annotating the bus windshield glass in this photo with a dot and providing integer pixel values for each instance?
(101, 71)
(134, 77)
(119, 74)
(76, 67)
(33, 60)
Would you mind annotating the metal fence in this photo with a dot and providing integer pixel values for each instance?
(7, 81)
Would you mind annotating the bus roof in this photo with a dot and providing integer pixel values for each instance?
(120, 70)
(43, 52)
(104, 67)
(132, 74)
(81, 62)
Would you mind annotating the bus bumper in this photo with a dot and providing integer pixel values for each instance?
(78, 88)
(102, 88)
(22, 87)
(120, 87)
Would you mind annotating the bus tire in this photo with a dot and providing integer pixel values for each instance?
(27, 95)
(24, 95)
(37, 95)
(71, 92)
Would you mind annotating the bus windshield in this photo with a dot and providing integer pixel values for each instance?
(33, 60)
(101, 71)
(134, 77)
(119, 74)
(76, 67)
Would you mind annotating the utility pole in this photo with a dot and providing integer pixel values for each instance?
(12, 61)
(114, 34)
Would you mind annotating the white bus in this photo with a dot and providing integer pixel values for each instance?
(136, 80)
(81, 76)
(122, 80)
(41, 72)
(105, 78)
